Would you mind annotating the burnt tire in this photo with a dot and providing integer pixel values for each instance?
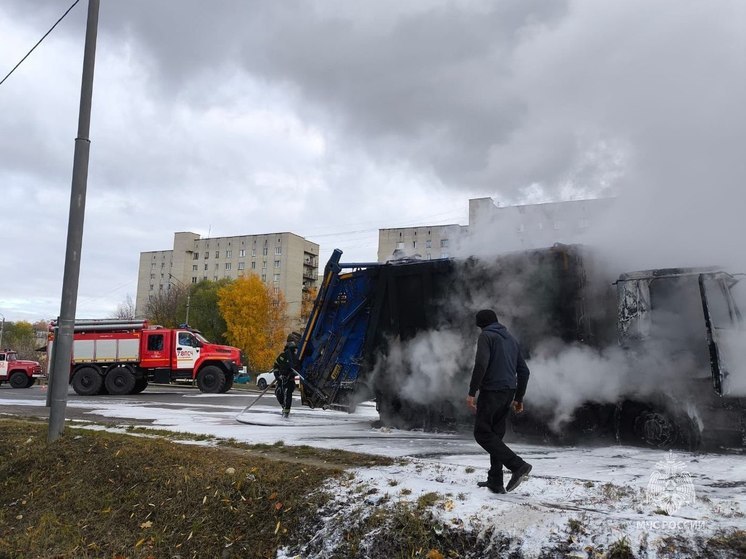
(87, 381)
(261, 384)
(19, 380)
(120, 381)
(211, 380)
(140, 385)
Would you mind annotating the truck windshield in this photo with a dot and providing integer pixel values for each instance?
(201, 338)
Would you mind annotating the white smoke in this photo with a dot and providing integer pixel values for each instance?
(432, 365)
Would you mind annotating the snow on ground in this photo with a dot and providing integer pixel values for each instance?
(593, 496)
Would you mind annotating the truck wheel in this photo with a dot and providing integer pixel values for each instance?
(228, 383)
(18, 380)
(31, 382)
(210, 380)
(87, 381)
(120, 381)
(140, 385)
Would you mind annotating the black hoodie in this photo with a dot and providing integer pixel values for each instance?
(499, 364)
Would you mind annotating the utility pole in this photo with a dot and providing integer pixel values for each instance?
(64, 340)
(189, 296)
(2, 329)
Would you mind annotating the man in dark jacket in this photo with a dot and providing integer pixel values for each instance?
(284, 368)
(501, 376)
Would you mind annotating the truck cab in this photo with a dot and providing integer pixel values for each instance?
(19, 373)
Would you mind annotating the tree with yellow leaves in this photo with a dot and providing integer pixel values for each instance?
(255, 318)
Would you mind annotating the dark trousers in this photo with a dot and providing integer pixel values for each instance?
(284, 391)
(493, 407)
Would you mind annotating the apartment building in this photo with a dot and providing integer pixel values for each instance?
(287, 262)
(426, 242)
(494, 228)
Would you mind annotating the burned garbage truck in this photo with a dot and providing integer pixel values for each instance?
(403, 332)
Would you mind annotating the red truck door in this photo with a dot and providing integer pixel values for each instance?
(187, 349)
(155, 352)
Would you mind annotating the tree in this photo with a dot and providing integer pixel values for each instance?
(21, 337)
(164, 307)
(126, 309)
(256, 320)
(204, 314)
(307, 301)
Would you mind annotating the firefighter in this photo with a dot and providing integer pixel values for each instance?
(500, 376)
(284, 367)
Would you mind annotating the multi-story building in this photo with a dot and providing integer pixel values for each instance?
(493, 228)
(287, 262)
(426, 242)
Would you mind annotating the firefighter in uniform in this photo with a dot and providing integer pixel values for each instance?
(284, 367)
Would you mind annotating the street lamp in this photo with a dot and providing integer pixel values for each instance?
(189, 295)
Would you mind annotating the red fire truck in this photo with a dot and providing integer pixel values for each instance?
(19, 373)
(121, 356)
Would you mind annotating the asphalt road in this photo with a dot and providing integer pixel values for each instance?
(30, 402)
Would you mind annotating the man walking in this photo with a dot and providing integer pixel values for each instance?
(501, 376)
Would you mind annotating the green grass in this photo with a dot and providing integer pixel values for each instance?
(98, 494)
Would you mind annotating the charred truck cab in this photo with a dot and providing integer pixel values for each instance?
(687, 321)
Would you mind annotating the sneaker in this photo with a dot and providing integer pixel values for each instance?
(519, 476)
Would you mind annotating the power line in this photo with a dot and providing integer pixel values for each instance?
(38, 43)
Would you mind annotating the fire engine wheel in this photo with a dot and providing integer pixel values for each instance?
(140, 385)
(120, 381)
(87, 381)
(31, 382)
(228, 382)
(211, 380)
(19, 380)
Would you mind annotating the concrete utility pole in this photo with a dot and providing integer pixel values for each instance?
(2, 329)
(63, 343)
(189, 296)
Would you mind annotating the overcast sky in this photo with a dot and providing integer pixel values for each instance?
(332, 119)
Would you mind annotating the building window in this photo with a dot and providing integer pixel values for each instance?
(242, 265)
(264, 265)
(228, 253)
(194, 280)
(205, 267)
(253, 265)
(277, 263)
(227, 265)
(265, 251)
(253, 251)
(276, 290)
(195, 256)
(276, 278)
(194, 268)
(214, 278)
(399, 246)
(443, 243)
(278, 250)
(152, 276)
(444, 255)
(207, 255)
(428, 244)
(264, 277)
(152, 265)
(204, 278)
(217, 254)
(242, 253)
(151, 287)
(414, 244)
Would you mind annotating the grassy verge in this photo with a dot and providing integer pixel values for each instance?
(97, 494)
